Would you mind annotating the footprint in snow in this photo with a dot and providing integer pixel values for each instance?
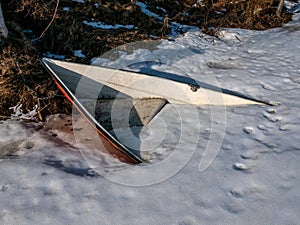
(268, 87)
(231, 205)
(271, 111)
(285, 127)
(250, 155)
(246, 191)
(221, 65)
(187, 222)
(271, 117)
(262, 127)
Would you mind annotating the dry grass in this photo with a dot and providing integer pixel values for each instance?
(38, 10)
(254, 14)
(24, 81)
(250, 14)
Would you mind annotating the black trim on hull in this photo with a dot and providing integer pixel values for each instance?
(192, 82)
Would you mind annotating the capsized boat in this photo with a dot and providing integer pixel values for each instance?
(133, 97)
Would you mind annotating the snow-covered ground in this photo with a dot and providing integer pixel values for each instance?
(254, 178)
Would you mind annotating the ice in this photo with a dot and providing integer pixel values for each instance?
(104, 26)
(54, 56)
(79, 54)
(144, 9)
(79, 1)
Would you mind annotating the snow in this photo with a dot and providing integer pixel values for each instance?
(66, 8)
(176, 28)
(54, 56)
(104, 26)
(146, 11)
(52, 173)
(79, 1)
(19, 114)
(79, 54)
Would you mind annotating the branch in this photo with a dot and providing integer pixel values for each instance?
(279, 8)
(55, 11)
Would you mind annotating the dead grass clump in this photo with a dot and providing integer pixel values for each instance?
(24, 81)
(37, 9)
(249, 14)
(255, 14)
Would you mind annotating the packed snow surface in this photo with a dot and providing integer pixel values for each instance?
(254, 179)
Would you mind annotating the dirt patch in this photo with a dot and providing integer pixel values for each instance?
(24, 81)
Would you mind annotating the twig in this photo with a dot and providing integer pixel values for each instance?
(279, 8)
(5, 117)
(38, 110)
(165, 25)
(55, 11)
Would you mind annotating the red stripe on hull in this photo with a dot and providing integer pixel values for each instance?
(111, 147)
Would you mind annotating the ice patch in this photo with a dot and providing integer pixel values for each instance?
(101, 25)
(54, 56)
(79, 1)
(144, 9)
(79, 54)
